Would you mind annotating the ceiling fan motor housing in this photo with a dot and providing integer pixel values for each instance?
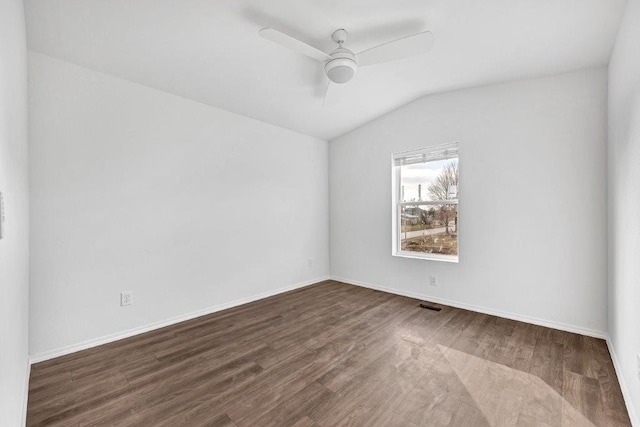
(342, 66)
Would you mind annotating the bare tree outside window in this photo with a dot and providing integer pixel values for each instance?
(445, 187)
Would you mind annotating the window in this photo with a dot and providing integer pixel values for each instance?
(425, 203)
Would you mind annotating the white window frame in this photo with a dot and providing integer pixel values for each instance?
(423, 155)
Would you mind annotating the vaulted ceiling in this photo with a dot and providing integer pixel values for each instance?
(210, 51)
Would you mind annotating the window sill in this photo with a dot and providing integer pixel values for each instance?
(426, 256)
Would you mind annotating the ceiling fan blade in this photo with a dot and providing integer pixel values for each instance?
(326, 100)
(333, 95)
(396, 49)
(293, 44)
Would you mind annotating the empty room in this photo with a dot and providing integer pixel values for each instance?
(320, 213)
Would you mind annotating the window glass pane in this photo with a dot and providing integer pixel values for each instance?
(431, 229)
(430, 181)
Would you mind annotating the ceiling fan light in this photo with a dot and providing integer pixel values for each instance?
(340, 70)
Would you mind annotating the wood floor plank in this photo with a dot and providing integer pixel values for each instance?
(334, 354)
(582, 400)
(547, 363)
(284, 411)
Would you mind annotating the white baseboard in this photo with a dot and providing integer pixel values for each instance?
(507, 315)
(25, 401)
(161, 324)
(631, 409)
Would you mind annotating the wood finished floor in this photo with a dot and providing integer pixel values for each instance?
(334, 354)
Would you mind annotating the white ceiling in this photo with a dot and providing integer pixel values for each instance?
(210, 51)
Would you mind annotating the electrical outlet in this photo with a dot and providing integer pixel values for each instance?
(126, 298)
(309, 262)
(638, 364)
(433, 280)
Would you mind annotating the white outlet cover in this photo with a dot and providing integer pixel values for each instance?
(433, 280)
(126, 298)
(638, 364)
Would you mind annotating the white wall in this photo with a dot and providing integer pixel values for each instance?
(188, 206)
(14, 184)
(533, 239)
(624, 204)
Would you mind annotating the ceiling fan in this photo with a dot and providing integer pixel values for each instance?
(341, 64)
